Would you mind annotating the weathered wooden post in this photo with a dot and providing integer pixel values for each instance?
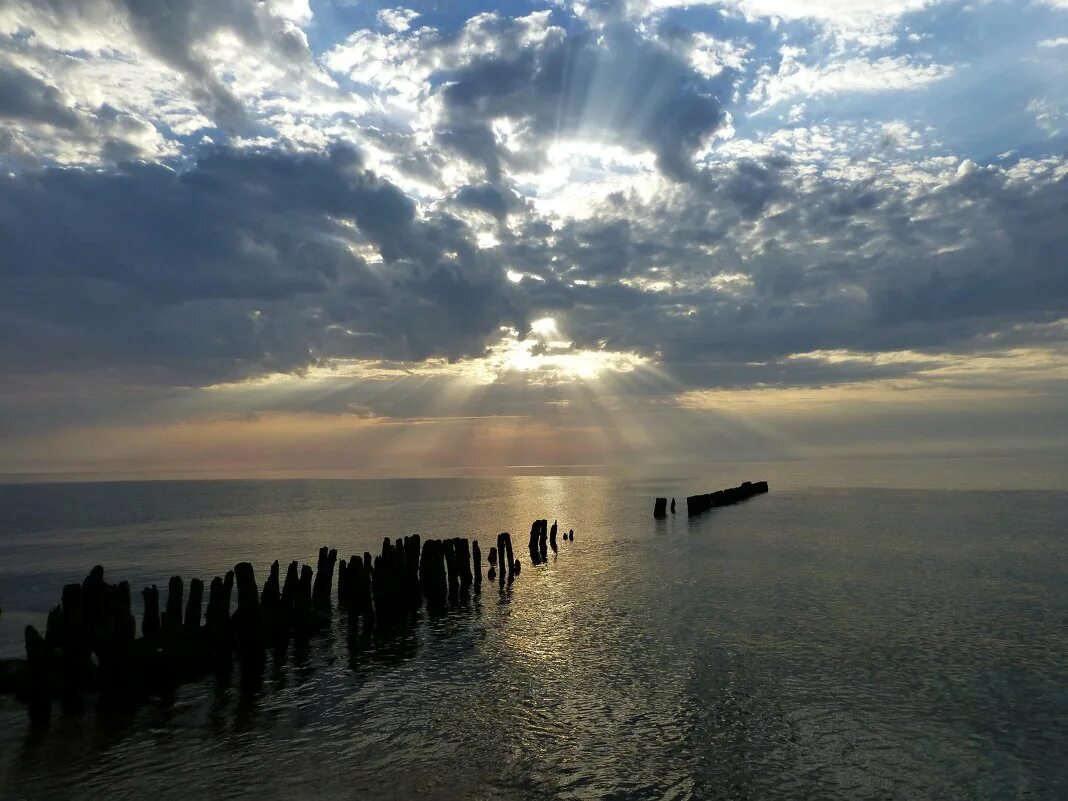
(342, 583)
(271, 598)
(532, 543)
(303, 602)
(476, 562)
(452, 562)
(54, 627)
(501, 556)
(172, 618)
(324, 579)
(552, 537)
(126, 624)
(672, 506)
(509, 556)
(38, 691)
(290, 589)
(246, 619)
(660, 508)
(150, 623)
(75, 649)
(412, 553)
(463, 558)
(217, 615)
(192, 609)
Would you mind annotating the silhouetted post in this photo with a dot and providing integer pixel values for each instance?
(501, 556)
(361, 570)
(40, 697)
(660, 508)
(552, 537)
(192, 609)
(324, 579)
(532, 544)
(54, 627)
(126, 624)
(75, 651)
(516, 567)
(342, 583)
(476, 562)
(412, 552)
(172, 618)
(217, 615)
(290, 588)
(452, 562)
(303, 602)
(571, 534)
(246, 619)
(271, 597)
(150, 624)
(94, 606)
(432, 575)
(508, 555)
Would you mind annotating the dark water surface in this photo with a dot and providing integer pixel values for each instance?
(846, 643)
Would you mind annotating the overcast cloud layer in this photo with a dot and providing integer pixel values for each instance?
(198, 197)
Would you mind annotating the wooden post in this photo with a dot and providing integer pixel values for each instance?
(552, 537)
(40, 697)
(508, 555)
(75, 650)
(54, 627)
(192, 609)
(126, 624)
(476, 562)
(246, 619)
(271, 597)
(660, 508)
(343, 583)
(290, 588)
(150, 623)
(172, 618)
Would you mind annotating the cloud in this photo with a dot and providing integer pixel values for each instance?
(795, 79)
(206, 210)
(185, 37)
(246, 263)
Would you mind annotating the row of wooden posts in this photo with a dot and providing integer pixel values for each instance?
(696, 504)
(90, 641)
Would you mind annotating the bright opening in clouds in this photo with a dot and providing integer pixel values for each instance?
(587, 231)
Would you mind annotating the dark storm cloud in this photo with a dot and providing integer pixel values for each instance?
(241, 265)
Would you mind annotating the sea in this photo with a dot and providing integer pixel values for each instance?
(876, 630)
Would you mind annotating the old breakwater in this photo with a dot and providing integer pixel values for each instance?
(90, 644)
(696, 504)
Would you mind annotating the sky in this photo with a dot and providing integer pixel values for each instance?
(279, 235)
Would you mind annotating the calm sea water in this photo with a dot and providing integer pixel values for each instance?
(811, 643)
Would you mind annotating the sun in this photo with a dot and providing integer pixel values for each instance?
(544, 327)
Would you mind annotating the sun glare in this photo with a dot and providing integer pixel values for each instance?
(543, 327)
